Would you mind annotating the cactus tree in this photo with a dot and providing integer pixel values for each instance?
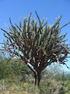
(37, 44)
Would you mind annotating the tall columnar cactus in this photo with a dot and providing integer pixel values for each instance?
(37, 44)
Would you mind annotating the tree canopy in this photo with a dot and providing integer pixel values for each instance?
(37, 44)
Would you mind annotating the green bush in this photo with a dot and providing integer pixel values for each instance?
(5, 70)
(13, 69)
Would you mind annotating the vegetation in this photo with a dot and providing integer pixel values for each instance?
(11, 81)
(37, 44)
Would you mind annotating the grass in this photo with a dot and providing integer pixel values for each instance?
(16, 87)
(48, 86)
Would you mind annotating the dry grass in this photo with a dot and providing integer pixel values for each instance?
(17, 88)
(13, 92)
(47, 86)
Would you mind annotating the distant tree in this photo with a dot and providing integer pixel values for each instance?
(37, 44)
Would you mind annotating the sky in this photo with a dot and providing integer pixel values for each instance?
(17, 10)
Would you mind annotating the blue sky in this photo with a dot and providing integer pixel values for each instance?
(46, 9)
